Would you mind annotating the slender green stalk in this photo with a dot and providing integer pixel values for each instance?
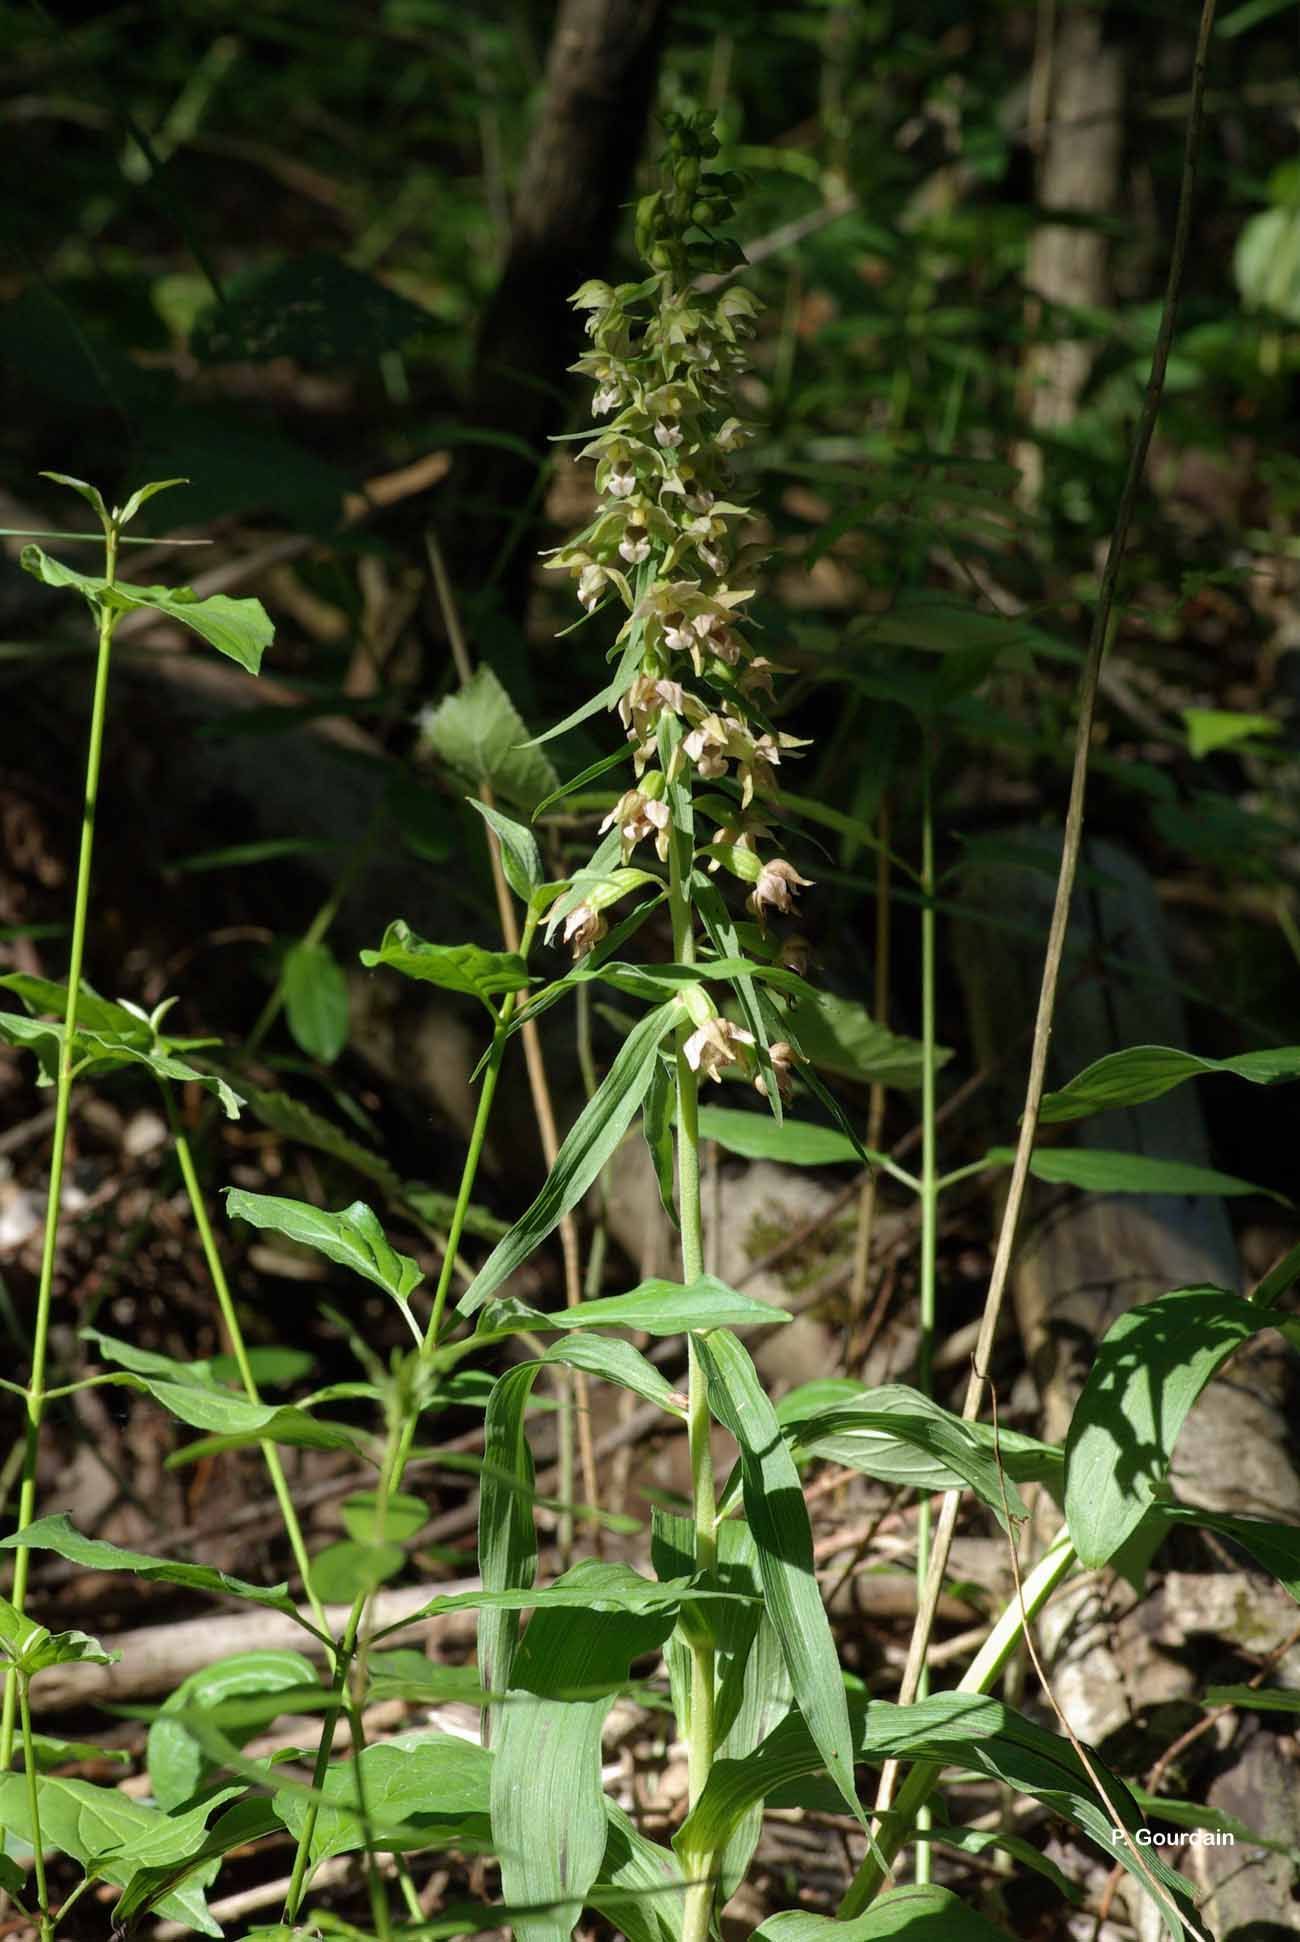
(394, 1467)
(697, 1914)
(929, 1200)
(34, 1805)
(980, 1676)
(62, 1102)
(235, 1336)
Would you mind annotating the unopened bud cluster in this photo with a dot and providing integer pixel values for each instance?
(665, 358)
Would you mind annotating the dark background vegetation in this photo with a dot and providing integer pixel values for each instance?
(272, 249)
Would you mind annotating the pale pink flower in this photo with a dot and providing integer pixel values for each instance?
(591, 585)
(778, 882)
(583, 927)
(716, 1044)
(782, 1056)
(677, 632)
(667, 436)
(634, 545)
(621, 482)
(606, 399)
(637, 816)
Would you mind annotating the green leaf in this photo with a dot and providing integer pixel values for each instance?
(32, 1648)
(657, 1126)
(586, 1148)
(42, 996)
(114, 1836)
(1255, 1699)
(349, 1569)
(640, 1888)
(420, 1790)
(353, 1238)
(618, 1362)
(1150, 1367)
(103, 1049)
(239, 629)
(756, 1136)
(453, 967)
(313, 307)
(89, 493)
(316, 1000)
(479, 735)
(141, 496)
(655, 1307)
(921, 1914)
(57, 1534)
(1209, 729)
(778, 1518)
(841, 1037)
(1274, 1547)
(1149, 1071)
(904, 1437)
(1103, 1172)
(520, 857)
(403, 1517)
(549, 1818)
(177, 1765)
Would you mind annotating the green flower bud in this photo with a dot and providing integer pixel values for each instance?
(687, 173)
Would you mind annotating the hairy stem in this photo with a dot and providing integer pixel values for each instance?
(62, 1101)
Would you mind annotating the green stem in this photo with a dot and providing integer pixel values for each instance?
(400, 1446)
(929, 1201)
(62, 1101)
(235, 1336)
(34, 1805)
(698, 1910)
(980, 1677)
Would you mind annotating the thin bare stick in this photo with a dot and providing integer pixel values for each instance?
(1103, 622)
(573, 1383)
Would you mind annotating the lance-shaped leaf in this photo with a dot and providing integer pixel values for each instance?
(353, 1238)
(922, 1914)
(947, 1729)
(1147, 1071)
(778, 1518)
(1149, 1369)
(656, 1307)
(1098, 1171)
(794, 1143)
(237, 628)
(452, 967)
(45, 997)
(58, 1534)
(191, 1393)
(586, 1148)
(904, 1437)
(521, 859)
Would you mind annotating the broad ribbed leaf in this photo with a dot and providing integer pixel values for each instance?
(1103, 1172)
(794, 1143)
(640, 1887)
(921, 1914)
(587, 1147)
(778, 1518)
(904, 1437)
(1149, 1369)
(1148, 1071)
(549, 1823)
(655, 1307)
